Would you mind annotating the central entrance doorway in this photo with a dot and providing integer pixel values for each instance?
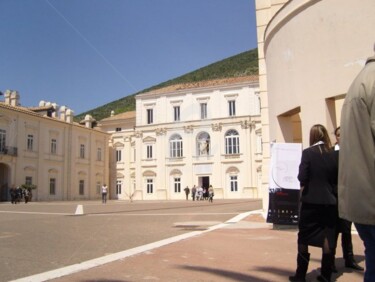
(204, 181)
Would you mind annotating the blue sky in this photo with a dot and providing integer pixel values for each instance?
(86, 53)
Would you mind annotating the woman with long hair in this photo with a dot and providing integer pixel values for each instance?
(318, 172)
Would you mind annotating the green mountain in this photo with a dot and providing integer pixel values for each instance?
(243, 64)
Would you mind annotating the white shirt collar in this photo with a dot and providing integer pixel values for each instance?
(318, 143)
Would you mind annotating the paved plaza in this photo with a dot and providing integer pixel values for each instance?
(42, 236)
(228, 240)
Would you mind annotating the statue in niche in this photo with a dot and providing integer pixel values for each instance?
(203, 147)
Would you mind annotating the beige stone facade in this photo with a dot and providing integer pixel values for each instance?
(121, 127)
(202, 134)
(44, 147)
(309, 53)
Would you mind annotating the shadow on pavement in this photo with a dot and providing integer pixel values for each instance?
(235, 276)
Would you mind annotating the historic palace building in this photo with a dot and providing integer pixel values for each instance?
(204, 133)
(42, 146)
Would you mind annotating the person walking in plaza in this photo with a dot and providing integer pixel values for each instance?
(187, 192)
(13, 194)
(26, 195)
(356, 183)
(210, 194)
(199, 193)
(345, 228)
(317, 175)
(205, 193)
(193, 192)
(18, 194)
(104, 193)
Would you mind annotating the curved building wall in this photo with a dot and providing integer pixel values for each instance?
(313, 50)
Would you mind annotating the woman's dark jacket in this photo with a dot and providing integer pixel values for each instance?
(318, 173)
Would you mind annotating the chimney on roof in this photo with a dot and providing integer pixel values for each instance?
(69, 116)
(14, 99)
(88, 121)
(63, 113)
(7, 97)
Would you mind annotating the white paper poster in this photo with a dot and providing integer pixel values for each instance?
(285, 160)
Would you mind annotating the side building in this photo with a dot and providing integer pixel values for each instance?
(202, 134)
(42, 146)
(309, 53)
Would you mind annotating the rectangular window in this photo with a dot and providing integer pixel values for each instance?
(118, 187)
(232, 145)
(149, 151)
(176, 111)
(150, 116)
(82, 187)
(176, 149)
(232, 108)
(53, 146)
(233, 183)
(99, 154)
(82, 151)
(118, 129)
(118, 155)
(150, 186)
(30, 142)
(28, 180)
(203, 110)
(52, 186)
(177, 185)
(2, 140)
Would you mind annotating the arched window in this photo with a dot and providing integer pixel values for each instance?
(232, 142)
(175, 146)
(203, 144)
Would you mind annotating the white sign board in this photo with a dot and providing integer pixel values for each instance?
(285, 160)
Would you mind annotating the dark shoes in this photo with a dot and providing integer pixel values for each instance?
(350, 263)
(328, 261)
(302, 265)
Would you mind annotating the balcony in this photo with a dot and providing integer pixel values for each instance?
(7, 150)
